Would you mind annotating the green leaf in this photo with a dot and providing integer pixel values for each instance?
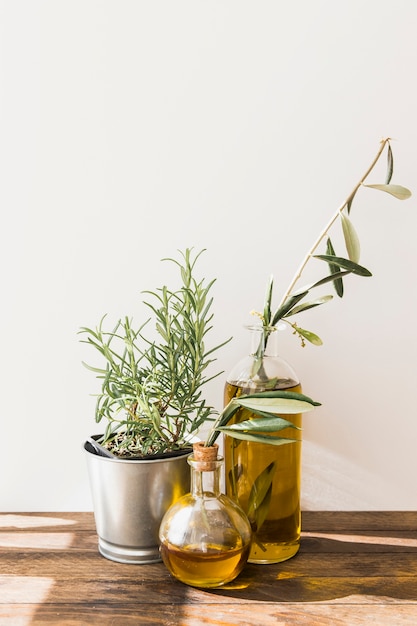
(311, 337)
(264, 424)
(327, 279)
(287, 306)
(267, 305)
(345, 263)
(263, 414)
(256, 437)
(390, 165)
(275, 405)
(334, 269)
(258, 518)
(402, 193)
(224, 417)
(351, 239)
(234, 475)
(280, 393)
(260, 497)
(350, 200)
(309, 305)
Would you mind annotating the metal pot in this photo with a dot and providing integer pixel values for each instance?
(130, 497)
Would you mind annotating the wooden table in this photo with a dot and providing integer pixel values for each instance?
(352, 568)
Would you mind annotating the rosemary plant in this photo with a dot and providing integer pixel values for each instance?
(151, 393)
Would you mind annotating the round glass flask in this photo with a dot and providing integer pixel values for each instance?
(265, 479)
(205, 536)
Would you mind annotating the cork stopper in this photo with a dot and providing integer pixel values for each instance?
(205, 456)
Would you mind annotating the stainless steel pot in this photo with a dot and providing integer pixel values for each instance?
(130, 498)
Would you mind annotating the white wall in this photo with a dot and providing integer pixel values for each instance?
(130, 129)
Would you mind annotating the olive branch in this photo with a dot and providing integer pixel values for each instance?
(338, 266)
(268, 405)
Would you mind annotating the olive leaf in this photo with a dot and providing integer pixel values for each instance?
(351, 239)
(390, 165)
(327, 279)
(267, 306)
(307, 334)
(345, 263)
(309, 305)
(234, 474)
(275, 405)
(287, 306)
(261, 512)
(334, 270)
(255, 437)
(271, 383)
(266, 404)
(260, 497)
(280, 393)
(398, 191)
(350, 201)
(265, 424)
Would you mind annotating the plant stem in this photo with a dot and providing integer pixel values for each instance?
(300, 270)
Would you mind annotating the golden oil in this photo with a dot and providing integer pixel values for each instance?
(278, 536)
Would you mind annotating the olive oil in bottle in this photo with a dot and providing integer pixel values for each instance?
(212, 566)
(265, 479)
(205, 536)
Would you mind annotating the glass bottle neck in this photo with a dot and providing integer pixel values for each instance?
(262, 369)
(205, 477)
(263, 341)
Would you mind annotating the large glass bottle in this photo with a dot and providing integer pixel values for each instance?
(265, 479)
(205, 537)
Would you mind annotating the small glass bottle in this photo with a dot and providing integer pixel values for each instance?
(265, 479)
(205, 537)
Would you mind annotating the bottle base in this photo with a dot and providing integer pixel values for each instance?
(272, 553)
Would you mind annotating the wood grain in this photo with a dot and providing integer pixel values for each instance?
(353, 568)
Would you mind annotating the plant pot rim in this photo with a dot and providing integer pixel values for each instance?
(151, 458)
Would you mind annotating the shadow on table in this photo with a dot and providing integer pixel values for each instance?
(330, 566)
(58, 577)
